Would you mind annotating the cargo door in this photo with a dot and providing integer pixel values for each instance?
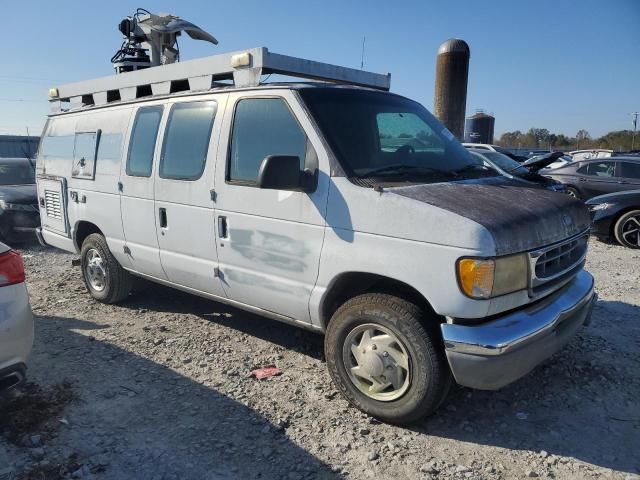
(136, 192)
(183, 194)
(52, 195)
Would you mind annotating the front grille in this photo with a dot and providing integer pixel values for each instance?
(559, 258)
(52, 204)
(556, 263)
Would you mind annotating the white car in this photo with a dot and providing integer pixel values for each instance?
(579, 155)
(16, 319)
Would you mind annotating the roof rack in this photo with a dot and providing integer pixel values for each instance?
(244, 68)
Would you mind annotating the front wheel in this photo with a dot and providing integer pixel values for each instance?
(573, 192)
(627, 229)
(103, 276)
(384, 360)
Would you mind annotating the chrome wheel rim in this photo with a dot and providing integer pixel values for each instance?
(571, 193)
(631, 231)
(95, 270)
(377, 362)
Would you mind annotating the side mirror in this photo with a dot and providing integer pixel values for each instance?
(282, 172)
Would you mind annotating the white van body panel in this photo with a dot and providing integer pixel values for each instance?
(406, 249)
(271, 257)
(137, 208)
(95, 200)
(188, 251)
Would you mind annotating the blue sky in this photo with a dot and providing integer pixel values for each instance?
(562, 65)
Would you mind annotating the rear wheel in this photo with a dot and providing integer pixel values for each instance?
(384, 360)
(573, 192)
(103, 276)
(627, 229)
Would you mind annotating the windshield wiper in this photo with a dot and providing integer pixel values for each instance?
(405, 169)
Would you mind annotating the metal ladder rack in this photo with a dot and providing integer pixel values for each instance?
(244, 68)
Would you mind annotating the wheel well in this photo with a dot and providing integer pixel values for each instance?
(351, 284)
(82, 231)
(612, 227)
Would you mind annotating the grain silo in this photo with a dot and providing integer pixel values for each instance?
(478, 128)
(452, 72)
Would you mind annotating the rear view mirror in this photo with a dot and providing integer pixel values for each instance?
(282, 172)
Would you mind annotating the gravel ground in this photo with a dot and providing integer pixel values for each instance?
(159, 388)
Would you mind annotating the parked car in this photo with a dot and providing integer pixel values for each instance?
(495, 148)
(578, 155)
(510, 168)
(590, 178)
(617, 216)
(19, 212)
(561, 161)
(16, 319)
(343, 209)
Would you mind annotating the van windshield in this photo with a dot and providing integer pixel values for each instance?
(376, 134)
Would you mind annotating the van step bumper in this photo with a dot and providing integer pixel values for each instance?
(493, 354)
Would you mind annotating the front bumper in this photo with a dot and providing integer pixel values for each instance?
(493, 354)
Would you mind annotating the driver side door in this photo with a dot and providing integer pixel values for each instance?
(269, 241)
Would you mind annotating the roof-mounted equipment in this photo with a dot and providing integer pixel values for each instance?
(151, 40)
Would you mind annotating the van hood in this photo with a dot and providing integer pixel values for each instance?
(519, 218)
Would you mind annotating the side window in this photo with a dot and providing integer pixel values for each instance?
(583, 170)
(143, 141)
(401, 129)
(602, 169)
(84, 155)
(186, 140)
(261, 127)
(630, 170)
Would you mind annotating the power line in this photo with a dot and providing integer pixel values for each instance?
(21, 100)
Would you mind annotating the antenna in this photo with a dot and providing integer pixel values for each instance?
(635, 127)
(151, 40)
(362, 57)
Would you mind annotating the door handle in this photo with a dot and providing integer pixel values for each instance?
(163, 217)
(223, 227)
(582, 179)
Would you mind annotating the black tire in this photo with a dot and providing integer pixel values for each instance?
(117, 281)
(573, 192)
(430, 378)
(623, 227)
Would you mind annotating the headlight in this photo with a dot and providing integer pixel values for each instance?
(492, 277)
(601, 206)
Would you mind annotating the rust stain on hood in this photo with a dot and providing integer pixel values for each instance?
(519, 218)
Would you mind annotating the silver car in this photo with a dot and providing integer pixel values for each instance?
(16, 319)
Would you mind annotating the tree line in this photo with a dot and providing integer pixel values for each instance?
(541, 138)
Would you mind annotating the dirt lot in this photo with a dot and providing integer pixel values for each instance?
(159, 388)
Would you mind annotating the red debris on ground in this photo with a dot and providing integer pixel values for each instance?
(266, 372)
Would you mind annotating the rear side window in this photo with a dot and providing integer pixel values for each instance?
(143, 141)
(186, 140)
(631, 170)
(84, 155)
(602, 169)
(262, 127)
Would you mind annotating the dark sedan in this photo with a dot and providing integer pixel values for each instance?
(511, 168)
(589, 178)
(617, 215)
(19, 213)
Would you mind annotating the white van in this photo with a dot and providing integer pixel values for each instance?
(339, 208)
